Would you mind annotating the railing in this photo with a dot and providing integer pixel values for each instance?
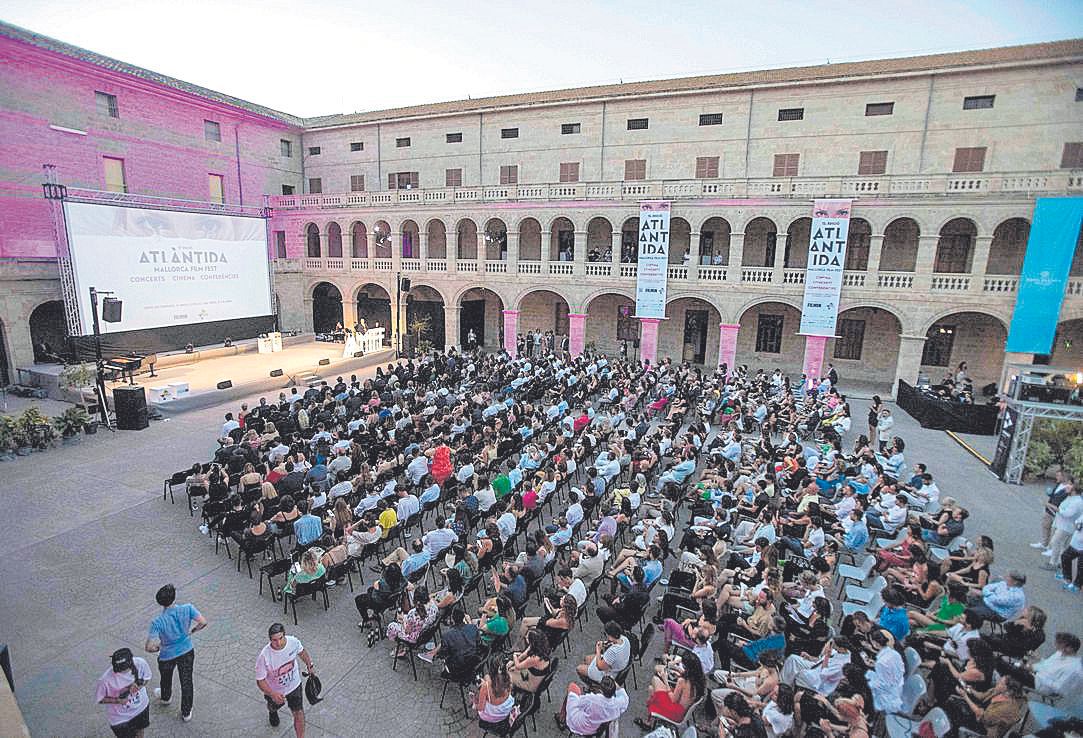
(411, 265)
(333, 264)
(951, 283)
(692, 189)
(793, 276)
(529, 267)
(383, 265)
(437, 265)
(713, 273)
(282, 266)
(895, 280)
(561, 267)
(677, 272)
(853, 279)
(466, 265)
(1075, 287)
(496, 267)
(1000, 284)
(359, 265)
(599, 270)
(313, 263)
(629, 271)
(757, 274)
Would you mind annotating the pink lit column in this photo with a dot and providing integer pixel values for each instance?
(648, 339)
(511, 333)
(727, 345)
(814, 359)
(576, 333)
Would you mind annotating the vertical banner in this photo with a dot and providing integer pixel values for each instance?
(1048, 260)
(823, 275)
(653, 266)
(1005, 437)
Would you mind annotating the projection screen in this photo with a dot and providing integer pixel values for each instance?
(168, 267)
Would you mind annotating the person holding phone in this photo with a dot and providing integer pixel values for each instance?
(278, 676)
(122, 689)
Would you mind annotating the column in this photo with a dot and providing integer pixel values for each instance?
(727, 345)
(349, 313)
(876, 249)
(370, 245)
(576, 333)
(451, 326)
(909, 363)
(308, 325)
(923, 270)
(511, 332)
(423, 248)
(513, 254)
(323, 245)
(813, 364)
(693, 256)
(579, 256)
(395, 239)
(979, 264)
(614, 252)
(546, 244)
(780, 258)
(736, 257)
(648, 339)
(451, 250)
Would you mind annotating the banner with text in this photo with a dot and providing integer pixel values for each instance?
(653, 266)
(823, 275)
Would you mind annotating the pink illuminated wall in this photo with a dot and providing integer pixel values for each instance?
(814, 358)
(576, 333)
(511, 332)
(727, 345)
(648, 339)
(48, 115)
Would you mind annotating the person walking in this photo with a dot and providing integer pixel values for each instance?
(278, 676)
(122, 689)
(170, 637)
(883, 428)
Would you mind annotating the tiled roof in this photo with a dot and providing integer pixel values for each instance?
(959, 59)
(75, 52)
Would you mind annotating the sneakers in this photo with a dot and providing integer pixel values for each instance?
(1059, 576)
(331, 583)
(186, 718)
(1038, 545)
(1070, 587)
(1047, 552)
(204, 529)
(273, 718)
(158, 695)
(425, 656)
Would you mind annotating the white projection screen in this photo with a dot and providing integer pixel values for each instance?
(168, 267)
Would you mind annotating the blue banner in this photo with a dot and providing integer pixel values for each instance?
(1048, 260)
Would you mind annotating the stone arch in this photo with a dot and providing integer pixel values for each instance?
(867, 342)
(955, 247)
(899, 251)
(858, 240)
(425, 319)
(562, 239)
(976, 336)
(466, 239)
(48, 327)
(334, 240)
(436, 232)
(481, 310)
(797, 240)
(599, 239)
(610, 324)
(691, 331)
(381, 239)
(714, 241)
(496, 240)
(543, 309)
(359, 240)
(788, 301)
(326, 306)
(373, 302)
(629, 240)
(1008, 247)
(313, 249)
(410, 239)
(767, 335)
(761, 235)
(680, 240)
(1004, 320)
(530, 239)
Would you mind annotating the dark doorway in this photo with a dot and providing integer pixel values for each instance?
(472, 316)
(49, 332)
(376, 311)
(326, 307)
(695, 336)
(5, 376)
(432, 313)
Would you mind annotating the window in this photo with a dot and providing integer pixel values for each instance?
(280, 244)
(287, 189)
(567, 128)
(509, 174)
(710, 119)
(216, 188)
(1079, 94)
(851, 339)
(285, 148)
(569, 171)
(978, 102)
(315, 185)
(638, 124)
(872, 162)
(357, 146)
(212, 131)
(938, 343)
(1072, 157)
(769, 334)
(454, 138)
(453, 178)
(357, 183)
(509, 133)
(313, 150)
(635, 169)
(969, 159)
(857, 251)
(114, 175)
(402, 180)
(786, 165)
(706, 167)
(107, 104)
(402, 143)
(627, 326)
(884, 108)
(791, 113)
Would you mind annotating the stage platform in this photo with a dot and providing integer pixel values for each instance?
(248, 370)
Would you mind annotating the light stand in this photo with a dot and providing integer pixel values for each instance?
(398, 315)
(99, 362)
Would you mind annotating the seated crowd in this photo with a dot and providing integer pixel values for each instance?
(824, 588)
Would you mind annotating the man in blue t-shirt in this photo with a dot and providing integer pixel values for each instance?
(170, 637)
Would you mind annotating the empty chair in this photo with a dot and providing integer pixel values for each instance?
(904, 722)
(856, 573)
(854, 593)
(912, 659)
(872, 609)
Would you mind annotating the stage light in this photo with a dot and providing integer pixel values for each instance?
(228, 342)
(189, 348)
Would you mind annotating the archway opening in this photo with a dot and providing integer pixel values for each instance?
(690, 332)
(610, 327)
(411, 240)
(858, 239)
(866, 345)
(955, 248)
(424, 318)
(467, 239)
(629, 241)
(562, 240)
(437, 240)
(797, 238)
(714, 242)
(599, 240)
(334, 240)
(481, 319)
(976, 338)
(530, 240)
(1008, 247)
(680, 241)
(543, 312)
(381, 239)
(767, 338)
(312, 241)
(374, 307)
(899, 252)
(760, 238)
(496, 240)
(326, 307)
(49, 333)
(359, 241)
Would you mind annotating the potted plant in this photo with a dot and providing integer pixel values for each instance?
(75, 379)
(37, 432)
(70, 422)
(7, 438)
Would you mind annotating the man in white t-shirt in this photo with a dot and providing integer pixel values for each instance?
(122, 689)
(278, 676)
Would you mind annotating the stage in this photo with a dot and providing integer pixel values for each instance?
(247, 370)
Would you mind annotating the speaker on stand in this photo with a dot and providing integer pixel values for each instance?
(130, 405)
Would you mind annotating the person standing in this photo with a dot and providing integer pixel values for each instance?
(883, 428)
(278, 676)
(170, 637)
(874, 417)
(122, 688)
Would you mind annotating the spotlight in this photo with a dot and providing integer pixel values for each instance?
(229, 342)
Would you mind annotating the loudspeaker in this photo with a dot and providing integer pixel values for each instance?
(324, 362)
(276, 372)
(225, 385)
(358, 354)
(111, 308)
(405, 284)
(130, 404)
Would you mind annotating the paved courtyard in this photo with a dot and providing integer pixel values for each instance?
(90, 540)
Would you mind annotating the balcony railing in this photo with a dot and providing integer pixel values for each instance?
(596, 269)
(757, 274)
(693, 189)
(895, 280)
(951, 283)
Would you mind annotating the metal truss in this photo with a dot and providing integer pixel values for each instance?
(1028, 412)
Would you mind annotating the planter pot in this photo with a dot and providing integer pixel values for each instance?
(91, 428)
(69, 439)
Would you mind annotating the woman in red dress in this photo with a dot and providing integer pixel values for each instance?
(441, 464)
(673, 702)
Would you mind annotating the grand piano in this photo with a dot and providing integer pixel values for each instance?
(124, 367)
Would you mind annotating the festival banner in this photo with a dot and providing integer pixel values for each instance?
(1050, 249)
(653, 266)
(823, 275)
